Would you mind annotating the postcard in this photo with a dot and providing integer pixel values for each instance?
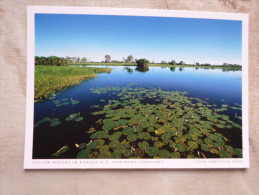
(111, 88)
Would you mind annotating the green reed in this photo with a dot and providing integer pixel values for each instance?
(51, 79)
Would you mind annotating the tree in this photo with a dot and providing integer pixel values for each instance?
(78, 59)
(181, 63)
(107, 58)
(69, 59)
(50, 61)
(129, 59)
(173, 62)
(84, 60)
(142, 65)
(163, 62)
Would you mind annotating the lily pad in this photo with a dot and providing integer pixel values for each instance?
(205, 148)
(164, 153)
(143, 145)
(83, 153)
(175, 155)
(193, 145)
(132, 137)
(74, 117)
(152, 151)
(238, 152)
(99, 134)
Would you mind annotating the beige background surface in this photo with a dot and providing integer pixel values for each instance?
(15, 180)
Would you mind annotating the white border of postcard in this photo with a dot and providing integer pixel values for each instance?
(30, 163)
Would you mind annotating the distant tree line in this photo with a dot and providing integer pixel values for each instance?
(50, 61)
(59, 61)
(173, 62)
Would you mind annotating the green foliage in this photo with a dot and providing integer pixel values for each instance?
(84, 153)
(152, 151)
(142, 65)
(51, 79)
(50, 61)
(173, 62)
(178, 126)
(164, 153)
(142, 62)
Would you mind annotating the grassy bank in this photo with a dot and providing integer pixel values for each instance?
(50, 79)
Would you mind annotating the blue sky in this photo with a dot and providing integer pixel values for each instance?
(154, 38)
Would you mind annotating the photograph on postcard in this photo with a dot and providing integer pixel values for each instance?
(137, 87)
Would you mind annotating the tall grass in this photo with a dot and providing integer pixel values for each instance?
(50, 79)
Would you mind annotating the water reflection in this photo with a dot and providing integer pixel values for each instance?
(172, 69)
(142, 69)
(129, 70)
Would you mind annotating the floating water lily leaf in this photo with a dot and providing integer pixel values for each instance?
(224, 154)
(122, 122)
(205, 148)
(99, 134)
(143, 145)
(208, 141)
(144, 135)
(96, 106)
(92, 145)
(132, 137)
(74, 117)
(238, 152)
(61, 151)
(165, 137)
(46, 119)
(235, 108)
(214, 151)
(237, 125)
(199, 141)
(160, 131)
(164, 153)
(179, 147)
(100, 143)
(193, 145)
(75, 102)
(109, 126)
(78, 119)
(169, 119)
(175, 155)
(229, 126)
(128, 131)
(115, 155)
(83, 153)
(115, 136)
(54, 122)
(152, 151)
(159, 144)
(127, 153)
(114, 144)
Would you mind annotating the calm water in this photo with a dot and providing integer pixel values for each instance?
(214, 85)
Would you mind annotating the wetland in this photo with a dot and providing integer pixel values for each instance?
(160, 112)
